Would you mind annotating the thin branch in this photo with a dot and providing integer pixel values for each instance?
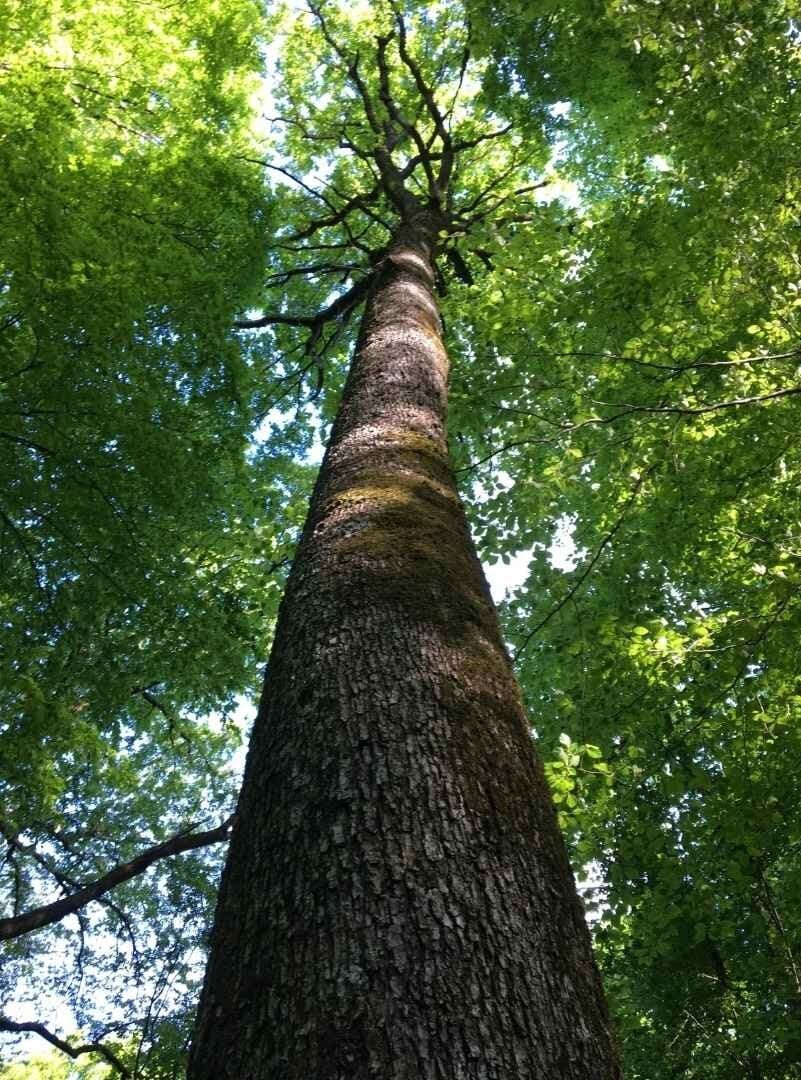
(29, 444)
(19, 536)
(495, 183)
(70, 905)
(352, 67)
(469, 144)
(502, 450)
(775, 919)
(677, 369)
(17, 882)
(82, 551)
(625, 411)
(587, 570)
(423, 88)
(681, 410)
(460, 81)
(348, 244)
(146, 136)
(297, 180)
(338, 216)
(398, 117)
(12, 836)
(356, 202)
(510, 219)
(312, 270)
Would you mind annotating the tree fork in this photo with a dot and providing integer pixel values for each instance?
(397, 901)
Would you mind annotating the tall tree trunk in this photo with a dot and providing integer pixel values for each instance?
(397, 902)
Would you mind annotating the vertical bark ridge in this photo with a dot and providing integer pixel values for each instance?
(397, 901)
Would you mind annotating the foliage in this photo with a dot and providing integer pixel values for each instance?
(137, 542)
(657, 417)
(52, 1067)
(621, 294)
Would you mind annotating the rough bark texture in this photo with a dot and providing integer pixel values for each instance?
(397, 901)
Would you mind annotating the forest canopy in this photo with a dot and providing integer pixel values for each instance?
(622, 316)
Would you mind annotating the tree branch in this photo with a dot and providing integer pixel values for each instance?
(423, 88)
(65, 1047)
(69, 905)
(297, 180)
(344, 270)
(681, 410)
(339, 309)
(357, 202)
(352, 66)
(469, 144)
(423, 156)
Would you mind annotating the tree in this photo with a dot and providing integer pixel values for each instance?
(624, 369)
(397, 899)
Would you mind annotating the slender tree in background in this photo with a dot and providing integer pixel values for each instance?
(397, 900)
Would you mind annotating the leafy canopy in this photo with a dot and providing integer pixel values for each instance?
(137, 540)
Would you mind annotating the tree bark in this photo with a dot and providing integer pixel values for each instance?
(397, 901)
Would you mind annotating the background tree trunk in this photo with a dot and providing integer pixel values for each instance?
(397, 901)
